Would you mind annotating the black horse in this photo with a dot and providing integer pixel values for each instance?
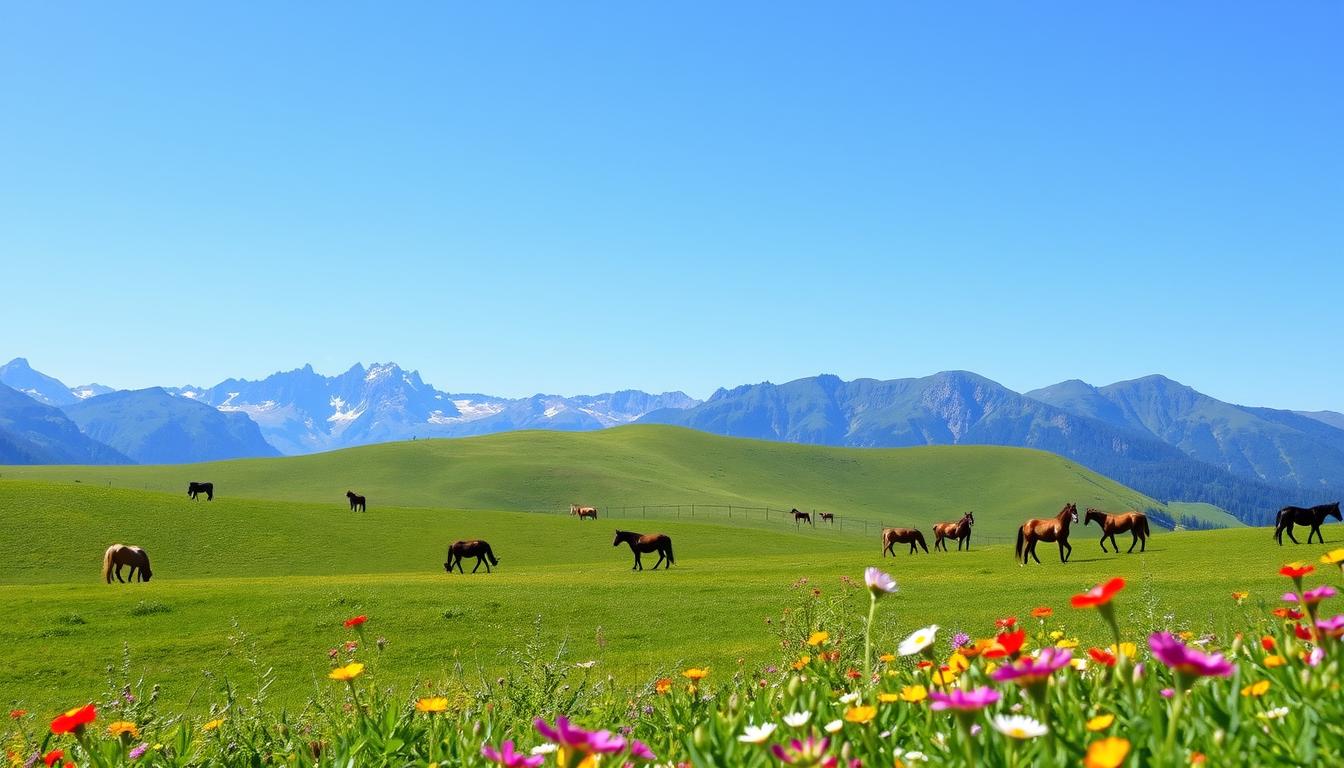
(472, 548)
(207, 488)
(653, 542)
(356, 502)
(1314, 517)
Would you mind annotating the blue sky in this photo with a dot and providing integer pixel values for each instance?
(585, 197)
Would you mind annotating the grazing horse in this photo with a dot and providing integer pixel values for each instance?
(960, 530)
(357, 502)
(803, 516)
(472, 548)
(828, 517)
(893, 536)
(1134, 522)
(1053, 529)
(1315, 516)
(653, 542)
(207, 488)
(118, 555)
(582, 512)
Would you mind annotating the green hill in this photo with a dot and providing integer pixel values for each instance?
(651, 465)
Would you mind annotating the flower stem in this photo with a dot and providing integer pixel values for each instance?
(1177, 703)
(868, 640)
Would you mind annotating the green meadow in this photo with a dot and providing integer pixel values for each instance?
(263, 576)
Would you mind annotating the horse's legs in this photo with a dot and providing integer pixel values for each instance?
(118, 572)
(638, 566)
(1291, 536)
(479, 560)
(1032, 548)
(1315, 531)
(661, 558)
(1115, 544)
(1103, 542)
(1135, 541)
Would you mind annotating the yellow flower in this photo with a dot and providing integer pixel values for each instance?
(1130, 650)
(1055, 635)
(121, 726)
(802, 662)
(1100, 723)
(347, 673)
(1240, 595)
(1256, 689)
(1275, 660)
(1333, 557)
(695, 673)
(958, 663)
(945, 677)
(1071, 642)
(1107, 753)
(887, 657)
(212, 725)
(1186, 635)
(887, 698)
(817, 638)
(432, 704)
(860, 715)
(914, 693)
(662, 686)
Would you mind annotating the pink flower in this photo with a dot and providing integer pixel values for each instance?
(1167, 693)
(810, 752)
(1185, 660)
(641, 750)
(965, 701)
(1028, 670)
(1314, 596)
(1316, 656)
(563, 733)
(506, 756)
(1332, 626)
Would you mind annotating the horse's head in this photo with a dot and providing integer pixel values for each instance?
(619, 535)
(190, 487)
(970, 518)
(1091, 515)
(448, 567)
(1072, 510)
(145, 573)
(1333, 509)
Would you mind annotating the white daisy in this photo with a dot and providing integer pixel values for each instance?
(879, 582)
(1019, 726)
(756, 734)
(797, 719)
(544, 749)
(918, 641)
(849, 698)
(833, 726)
(1277, 713)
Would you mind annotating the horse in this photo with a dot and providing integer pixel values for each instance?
(582, 512)
(960, 530)
(1053, 529)
(828, 517)
(118, 555)
(472, 548)
(893, 536)
(357, 502)
(653, 542)
(805, 517)
(207, 488)
(1315, 516)
(1134, 522)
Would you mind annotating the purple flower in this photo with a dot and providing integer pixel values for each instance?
(879, 582)
(1029, 670)
(641, 750)
(506, 756)
(1332, 626)
(960, 639)
(563, 733)
(966, 701)
(605, 742)
(137, 752)
(810, 752)
(1314, 596)
(1167, 693)
(1185, 660)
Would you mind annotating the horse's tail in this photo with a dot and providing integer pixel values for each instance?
(1021, 539)
(670, 559)
(490, 555)
(1143, 526)
(919, 536)
(107, 565)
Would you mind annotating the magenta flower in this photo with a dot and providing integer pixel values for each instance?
(960, 639)
(1332, 626)
(563, 733)
(1167, 693)
(1029, 670)
(641, 750)
(605, 742)
(810, 752)
(1314, 596)
(506, 756)
(965, 701)
(1186, 661)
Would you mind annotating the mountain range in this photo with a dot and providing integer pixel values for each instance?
(1153, 434)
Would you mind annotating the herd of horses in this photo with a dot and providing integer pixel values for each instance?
(1050, 530)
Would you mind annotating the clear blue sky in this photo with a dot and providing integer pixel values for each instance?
(514, 198)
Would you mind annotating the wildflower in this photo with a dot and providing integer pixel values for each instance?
(756, 734)
(797, 719)
(1288, 614)
(212, 725)
(563, 733)
(853, 674)
(641, 750)
(1302, 632)
(1071, 642)
(1018, 726)
(879, 582)
(833, 726)
(355, 622)
(1267, 643)
(860, 714)
(1316, 656)
(544, 749)
(137, 752)
(1240, 596)
(1100, 723)
(849, 698)
(1055, 634)
(696, 674)
(965, 701)
(1007, 644)
(888, 698)
(432, 704)
(74, 720)
(1106, 753)
(1334, 557)
(663, 686)
(1105, 658)
(809, 752)
(123, 727)
(1296, 571)
(1277, 713)
(53, 757)
(506, 756)
(818, 637)
(887, 657)
(958, 663)
(586, 664)
(347, 673)
(1314, 596)
(1256, 689)
(918, 641)
(1099, 595)
(960, 639)
(1334, 627)
(1030, 671)
(945, 676)
(1187, 661)
(914, 693)
(15, 714)
(1043, 612)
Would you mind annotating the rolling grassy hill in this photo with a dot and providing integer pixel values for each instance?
(649, 465)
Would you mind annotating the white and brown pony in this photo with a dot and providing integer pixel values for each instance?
(582, 512)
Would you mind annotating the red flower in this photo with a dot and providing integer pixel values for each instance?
(1302, 632)
(1102, 657)
(1296, 570)
(355, 622)
(1287, 613)
(53, 757)
(1044, 612)
(1098, 595)
(853, 674)
(73, 720)
(1007, 623)
(17, 713)
(924, 664)
(1007, 644)
(1267, 643)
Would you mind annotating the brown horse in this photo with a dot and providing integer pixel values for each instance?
(357, 502)
(893, 536)
(960, 530)
(1134, 522)
(1314, 516)
(582, 512)
(1053, 529)
(802, 516)
(471, 548)
(828, 517)
(653, 542)
(118, 555)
